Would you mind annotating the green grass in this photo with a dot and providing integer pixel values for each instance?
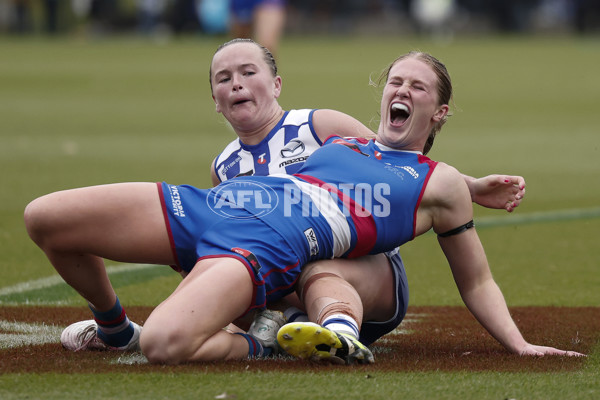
(255, 384)
(75, 113)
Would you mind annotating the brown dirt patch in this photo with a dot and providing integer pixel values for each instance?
(431, 339)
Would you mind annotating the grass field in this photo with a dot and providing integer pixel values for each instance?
(76, 113)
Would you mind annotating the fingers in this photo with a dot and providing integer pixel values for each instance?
(531, 352)
(518, 183)
(541, 351)
(515, 180)
(557, 352)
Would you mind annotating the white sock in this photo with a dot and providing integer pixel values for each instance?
(341, 323)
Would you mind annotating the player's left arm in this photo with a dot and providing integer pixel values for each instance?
(468, 262)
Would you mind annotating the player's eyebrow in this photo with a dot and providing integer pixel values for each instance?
(226, 71)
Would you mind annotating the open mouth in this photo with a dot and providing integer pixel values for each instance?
(239, 102)
(399, 113)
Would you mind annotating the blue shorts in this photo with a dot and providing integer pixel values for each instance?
(195, 233)
(243, 10)
(370, 331)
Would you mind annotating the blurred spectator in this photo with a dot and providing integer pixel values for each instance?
(103, 16)
(21, 21)
(586, 15)
(51, 16)
(261, 20)
(266, 20)
(183, 16)
(149, 14)
(214, 16)
(327, 16)
(513, 15)
(434, 17)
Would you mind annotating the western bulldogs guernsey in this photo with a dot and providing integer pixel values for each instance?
(352, 197)
(284, 150)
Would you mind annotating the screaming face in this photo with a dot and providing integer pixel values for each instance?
(409, 105)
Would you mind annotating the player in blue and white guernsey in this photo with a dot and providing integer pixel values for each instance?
(283, 150)
(248, 240)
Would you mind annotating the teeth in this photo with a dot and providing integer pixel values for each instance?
(399, 107)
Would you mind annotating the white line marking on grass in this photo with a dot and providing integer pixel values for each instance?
(537, 217)
(27, 334)
(131, 359)
(57, 279)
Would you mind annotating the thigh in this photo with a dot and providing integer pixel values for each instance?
(214, 294)
(122, 222)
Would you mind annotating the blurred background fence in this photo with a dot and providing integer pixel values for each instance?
(166, 18)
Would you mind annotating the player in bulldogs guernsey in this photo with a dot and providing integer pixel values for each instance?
(283, 150)
(371, 220)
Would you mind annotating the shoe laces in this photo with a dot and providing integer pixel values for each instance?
(86, 336)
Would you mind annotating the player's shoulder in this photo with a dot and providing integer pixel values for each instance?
(298, 117)
(446, 173)
(446, 183)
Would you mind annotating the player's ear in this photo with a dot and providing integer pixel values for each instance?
(217, 107)
(277, 88)
(441, 112)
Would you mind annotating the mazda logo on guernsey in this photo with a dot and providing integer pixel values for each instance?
(292, 149)
(234, 195)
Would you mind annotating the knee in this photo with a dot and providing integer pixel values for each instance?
(36, 217)
(165, 346)
(316, 283)
(316, 271)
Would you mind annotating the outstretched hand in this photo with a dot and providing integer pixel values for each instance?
(498, 191)
(540, 351)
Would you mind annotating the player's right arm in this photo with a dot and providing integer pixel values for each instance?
(213, 174)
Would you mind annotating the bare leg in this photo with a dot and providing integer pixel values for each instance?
(269, 23)
(188, 325)
(360, 288)
(78, 228)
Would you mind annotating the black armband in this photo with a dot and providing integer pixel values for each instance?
(458, 230)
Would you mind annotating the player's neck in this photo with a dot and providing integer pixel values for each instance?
(255, 136)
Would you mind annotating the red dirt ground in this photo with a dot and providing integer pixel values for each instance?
(432, 339)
